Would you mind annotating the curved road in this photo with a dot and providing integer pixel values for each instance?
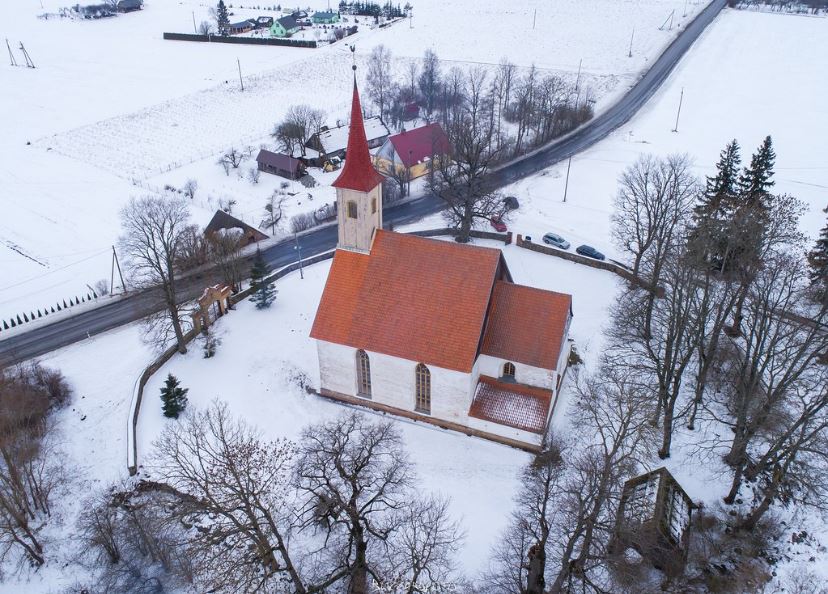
(43, 339)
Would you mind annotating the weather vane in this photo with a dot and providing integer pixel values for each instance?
(353, 54)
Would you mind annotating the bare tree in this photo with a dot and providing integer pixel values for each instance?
(233, 157)
(301, 121)
(152, 231)
(224, 251)
(231, 487)
(274, 210)
(206, 28)
(380, 80)
(190, 188)
(429, 80)
(464, 183)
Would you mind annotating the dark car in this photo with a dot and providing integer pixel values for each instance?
(589, 252)
(556, 240)
(498, 224)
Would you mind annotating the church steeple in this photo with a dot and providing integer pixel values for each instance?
(358, 173)
(358, 188)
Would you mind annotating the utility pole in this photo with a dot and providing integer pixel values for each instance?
(29, 61)
(11, 53)
(534, 18)
(681, 99)
(566, 185)
(120, 275)
(631, 42)
(195, 30)
(241, 82)
(298, 249)
(685, 9)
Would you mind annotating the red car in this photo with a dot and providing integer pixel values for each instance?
(498, 224)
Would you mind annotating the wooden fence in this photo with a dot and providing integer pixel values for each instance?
(240, 40)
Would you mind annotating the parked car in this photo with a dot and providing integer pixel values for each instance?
(556, 240)
(498, 224)
(589, 252)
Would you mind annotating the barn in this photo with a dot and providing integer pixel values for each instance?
(280, 164)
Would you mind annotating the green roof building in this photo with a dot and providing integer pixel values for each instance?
(284, 27)
(325, 18)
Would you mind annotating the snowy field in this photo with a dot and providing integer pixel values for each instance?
(110, 101)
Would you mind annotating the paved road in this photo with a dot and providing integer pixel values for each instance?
(72, 329)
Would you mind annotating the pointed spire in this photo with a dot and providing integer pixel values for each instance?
(358, 173)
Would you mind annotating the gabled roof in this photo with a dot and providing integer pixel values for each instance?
(515, 405)
(322, 14)
(415, 298)
(358, 173)
(288, 23)
(222, 220)
(336, 139)
(414, 146)
(526, 325)
(278, 160)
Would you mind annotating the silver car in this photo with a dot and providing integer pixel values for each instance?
(556, 240)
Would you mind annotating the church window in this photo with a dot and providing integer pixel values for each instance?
(373, 205)
(509, 371)
(423, 376)
(352, 209)
(363, 374)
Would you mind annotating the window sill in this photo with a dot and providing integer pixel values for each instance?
(423, 411)
(364, 395)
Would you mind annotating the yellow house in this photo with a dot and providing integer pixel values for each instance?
(413, 150)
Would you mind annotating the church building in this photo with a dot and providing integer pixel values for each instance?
(434, 330)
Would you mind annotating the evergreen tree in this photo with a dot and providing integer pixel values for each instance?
(222, 19)
(173, 397)
(264, 293)
(755, 182)
(818, 262)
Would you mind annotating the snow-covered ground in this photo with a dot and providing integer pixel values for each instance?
(111, 102)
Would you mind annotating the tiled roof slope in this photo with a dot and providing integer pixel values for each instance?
(526, 325)
(414, 298)
(514, 405)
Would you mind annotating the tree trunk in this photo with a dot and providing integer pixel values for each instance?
(734, 486)
(667, 433)
(536, 582)
(359, 568)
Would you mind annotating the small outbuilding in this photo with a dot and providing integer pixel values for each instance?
(654, 519)
(284, 27)
(241, 27)
(325, 18)
(280, 164)
(416, 150)
(264, 22)
(223, 221)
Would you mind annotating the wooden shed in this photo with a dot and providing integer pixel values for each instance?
(280, 164)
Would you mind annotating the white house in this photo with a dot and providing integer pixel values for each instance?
(434, 330)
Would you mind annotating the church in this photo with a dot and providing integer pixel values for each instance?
(434, 330)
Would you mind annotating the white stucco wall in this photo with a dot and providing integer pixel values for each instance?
(358, 233)
(393, 381)
(504, 431)
(524, 374)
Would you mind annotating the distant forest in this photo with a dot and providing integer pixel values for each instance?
(803, 6)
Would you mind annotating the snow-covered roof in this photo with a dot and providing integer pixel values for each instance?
(336, 139)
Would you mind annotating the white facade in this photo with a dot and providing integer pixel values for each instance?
(393, 384)
(359, 215)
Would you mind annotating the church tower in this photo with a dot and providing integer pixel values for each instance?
(358, 189)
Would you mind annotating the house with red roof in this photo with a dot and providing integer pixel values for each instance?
(416, 151)
(433, 330)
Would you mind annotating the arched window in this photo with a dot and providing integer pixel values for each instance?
(509, 371)
(423, 401)
(352, 209)
(363, 374)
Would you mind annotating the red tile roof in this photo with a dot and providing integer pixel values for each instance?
(515, 405)
(413, 146)
(414, 298)
(358, 173)
(526, 325)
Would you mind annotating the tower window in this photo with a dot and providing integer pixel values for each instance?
(373, 205)
(352, 209)
(423, 395)
(363, 374)
(509, 371)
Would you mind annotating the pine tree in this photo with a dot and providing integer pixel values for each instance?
(173, 397)
(755, 182)
(222, 19)
(264, 293)
(818, 262)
